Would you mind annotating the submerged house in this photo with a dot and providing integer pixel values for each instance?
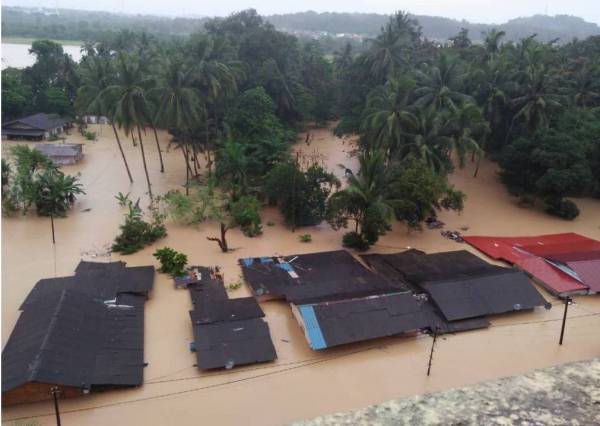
(337, 300)
(62, 154)
(227, 332)
(35, 127)
(82, 334)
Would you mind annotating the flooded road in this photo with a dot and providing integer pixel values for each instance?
(302, 383)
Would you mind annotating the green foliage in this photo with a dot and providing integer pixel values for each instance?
(56, 192)
(301, 193)
(171, 261)
(552, 165)
(17, 97)
(418, 192)
(90, 136)
(246, 213)
(260, 138)
(136, 233)
(562, 208)
(36, 181)
(355, 241)
(305, 238)
(187, 210)
(365, 202)
(123, 199)
(235, 285)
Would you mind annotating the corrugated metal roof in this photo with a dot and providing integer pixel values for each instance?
(82, 331)
(40, 121)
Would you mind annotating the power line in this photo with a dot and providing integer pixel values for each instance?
(269, 373)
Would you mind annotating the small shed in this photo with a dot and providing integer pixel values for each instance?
(62, 154)
(34, 127)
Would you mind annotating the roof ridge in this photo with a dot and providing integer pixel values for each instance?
(37, 362)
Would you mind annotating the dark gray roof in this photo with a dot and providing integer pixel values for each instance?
(104, 281)
(78, 341)
(340, 322)
(84, 331)
(60, 150)
(227, 332)
(232, 343)
(40, 121)
(483, 295)
(210, 310)
(313, 277)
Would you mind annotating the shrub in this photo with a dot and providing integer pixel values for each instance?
(136, 233)
(171, 261)
(562, 208)
(305, 238)
(90, 136)
(246, 213)
(355, 240)
(123, 199)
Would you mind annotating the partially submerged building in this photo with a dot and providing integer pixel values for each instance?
(227, 332)
(62, 154)
(337, 300)
(35, 127)
(564, 264)
(81, 334)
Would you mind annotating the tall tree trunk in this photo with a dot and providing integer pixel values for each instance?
(144, 161)
(122, 153)
(162, 166)
(208, 159)
(188, 170)
(477, 167)
(195, 161)
(221, 241)
(133, 139)
(52, 225)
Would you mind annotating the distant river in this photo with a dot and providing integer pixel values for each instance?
(17, 55)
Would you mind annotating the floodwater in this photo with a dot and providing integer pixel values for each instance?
(302, 383)
(17, 54)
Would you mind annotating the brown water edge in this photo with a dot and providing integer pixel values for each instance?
(302, 383)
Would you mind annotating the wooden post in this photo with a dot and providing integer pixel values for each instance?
(564, 321)
(55, 390)
(432, 348)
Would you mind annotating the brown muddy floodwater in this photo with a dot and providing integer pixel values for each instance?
(302, 383)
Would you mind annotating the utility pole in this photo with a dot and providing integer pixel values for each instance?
(55, 390)
(435, 330)
(568, 301)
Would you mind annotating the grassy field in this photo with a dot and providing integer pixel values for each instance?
(28, 40)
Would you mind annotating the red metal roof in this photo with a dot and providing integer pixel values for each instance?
(575, 250)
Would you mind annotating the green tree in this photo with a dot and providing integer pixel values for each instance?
(97, 72)
(131, 106)
(365, 202)
(419, 192)
(56, 194)
(301, 192)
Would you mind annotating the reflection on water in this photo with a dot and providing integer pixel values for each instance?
(17, 55)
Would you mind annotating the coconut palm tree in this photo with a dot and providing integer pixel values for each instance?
(538, 95)
(492, 41)
(431, 140)
(439, 86)
(96, 73)
(131, 106)
(56, 194)
(388, 116)
(469, 130)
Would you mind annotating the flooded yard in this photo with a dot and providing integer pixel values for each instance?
(302, 383)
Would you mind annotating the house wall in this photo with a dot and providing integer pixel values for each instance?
(33, 392)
